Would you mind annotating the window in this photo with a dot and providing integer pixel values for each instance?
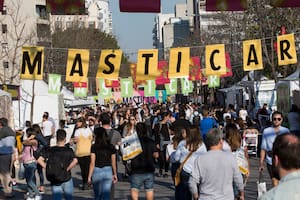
(91, 24)
(57, 25)
(4, 28)
(41, 11)
(69, 24)
(4, 47)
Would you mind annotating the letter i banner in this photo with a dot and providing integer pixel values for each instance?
(104, 92)
(149, 88)
(171, 87)
(126, 87)
(186, 86)
(213, 81)
(54, 83)
(32, 65)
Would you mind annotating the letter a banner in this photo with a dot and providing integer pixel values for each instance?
(252, 55)
(32, 65)
(286, 49)
(109, 64)
(54, 83)
(77, 65)
(215, 60)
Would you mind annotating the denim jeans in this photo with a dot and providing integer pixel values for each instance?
(102, 181)
(139, 180)
(30, 169)
(66, 190)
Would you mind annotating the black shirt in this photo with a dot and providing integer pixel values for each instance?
(144, 162)
(103, 154)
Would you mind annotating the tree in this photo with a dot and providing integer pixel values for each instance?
(79, 38)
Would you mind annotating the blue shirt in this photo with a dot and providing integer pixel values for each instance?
(268, 139)
(288, 188)
(206, 124)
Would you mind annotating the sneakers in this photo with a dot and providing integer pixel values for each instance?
(41, 189)
(38, 197)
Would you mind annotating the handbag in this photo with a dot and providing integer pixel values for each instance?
(261, 185)
(130, 146)
(178, 171)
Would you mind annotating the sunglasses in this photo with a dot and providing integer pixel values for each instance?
(132, 119)
(278, 119)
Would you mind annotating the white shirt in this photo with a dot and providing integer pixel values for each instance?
(85, 132)
(47, 128)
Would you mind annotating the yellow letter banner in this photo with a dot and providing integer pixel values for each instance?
(179, 63)
(77, 65)
(215, 62)
(286, 49)
(32, 65)
(109, 64)
(147, 63)
(252, 55)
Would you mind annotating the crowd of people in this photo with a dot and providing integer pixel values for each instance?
(202, 148)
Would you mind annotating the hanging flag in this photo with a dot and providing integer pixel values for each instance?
(163, 71)
(109, 64)
(186, 86)
(195, 69)
(139, 6)
(80, 92)
(104, 92)
(171, 87)
(112, 83)
(149, 88)
(228, 66)
(146, 67)
(66, 7)
(1, 5)
(286, 49)
(126, 87)
(213, 81)
(77, 65)
(215, 60)
(285, 3)
(179, 62)
(80, 84)
(252, 55)
(32, 65)
(226, 5)
(54, 83)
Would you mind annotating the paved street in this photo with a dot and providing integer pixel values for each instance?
(164, 188)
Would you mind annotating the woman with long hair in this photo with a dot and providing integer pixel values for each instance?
(234, 140)
(192, 146)
(102, 168)
(83, 138)
(130, 126)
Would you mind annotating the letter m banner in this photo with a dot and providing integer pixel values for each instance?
(32, 63)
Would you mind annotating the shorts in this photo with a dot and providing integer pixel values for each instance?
(137, 180)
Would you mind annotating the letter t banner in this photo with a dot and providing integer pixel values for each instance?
(126, 87)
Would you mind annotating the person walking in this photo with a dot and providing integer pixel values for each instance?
(142, 166)
(30, 165)
(62, 182)
(102, 168)
(7, 145)
(268, 137)
(285, 167)
(48, 127)
(83, 138)
(191, 146)
(214, 172)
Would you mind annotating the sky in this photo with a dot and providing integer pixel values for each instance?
(134, 30)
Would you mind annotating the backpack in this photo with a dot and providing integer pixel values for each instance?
(56, 169)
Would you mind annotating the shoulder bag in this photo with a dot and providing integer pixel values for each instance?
(178, 171)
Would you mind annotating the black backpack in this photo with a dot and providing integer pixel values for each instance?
(56, 169)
